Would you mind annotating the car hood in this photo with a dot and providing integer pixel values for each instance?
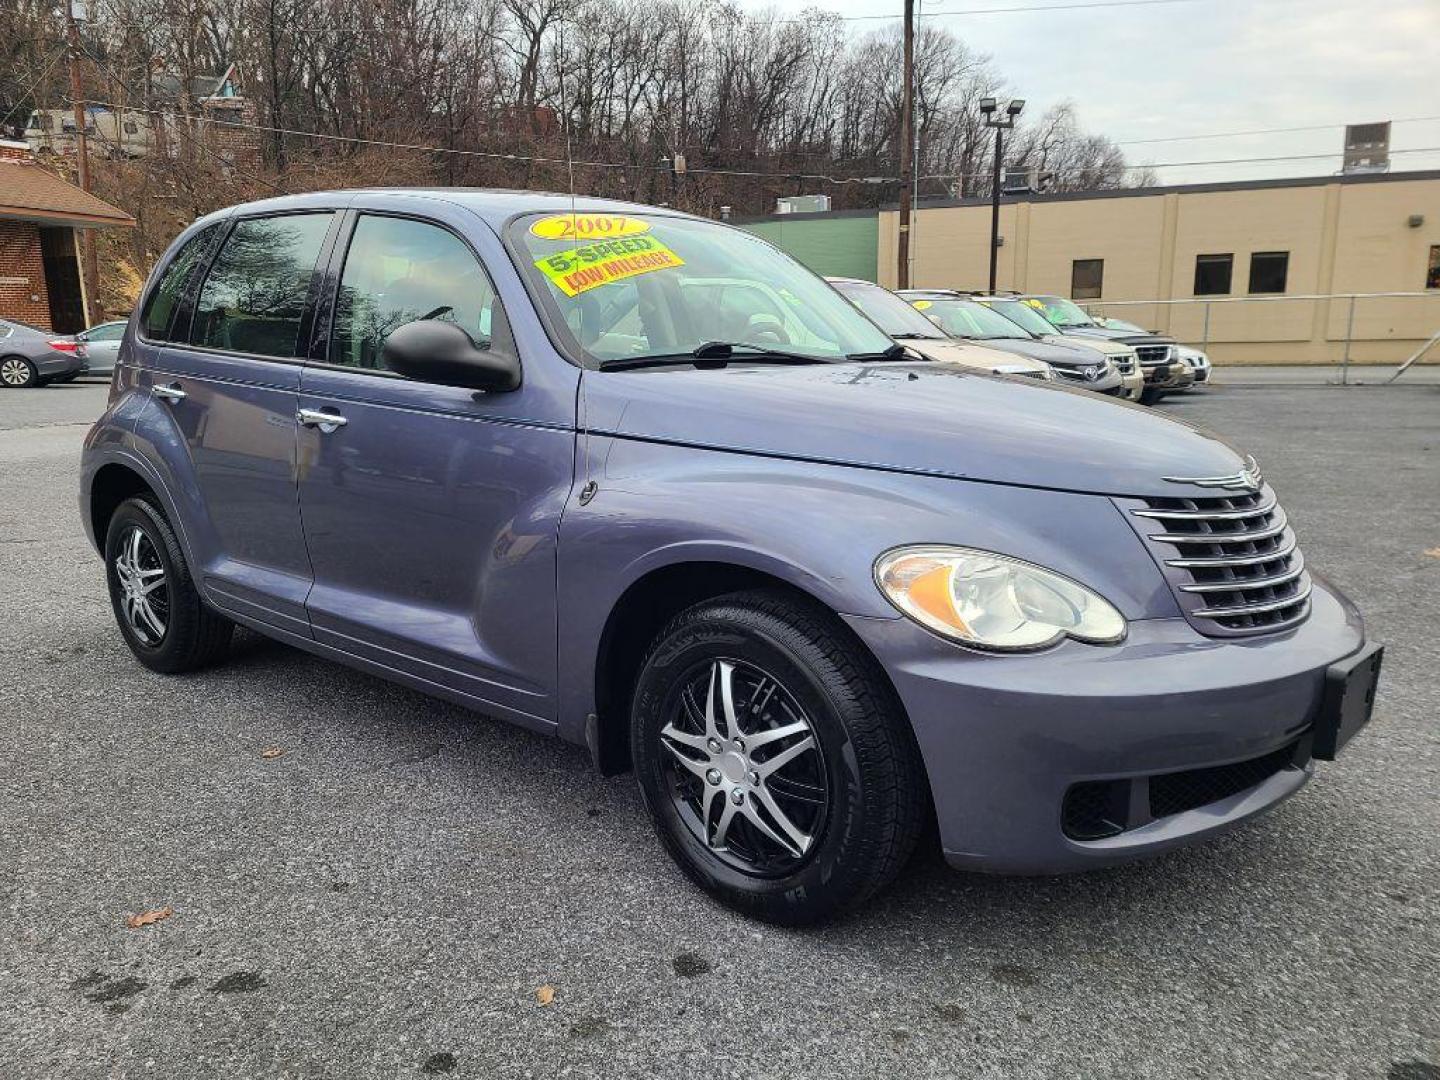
(972, 354)
(1054, 353)
(935, 419)
(1126, 337)
(1100, 345)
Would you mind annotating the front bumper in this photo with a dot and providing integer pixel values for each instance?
(1005, 738)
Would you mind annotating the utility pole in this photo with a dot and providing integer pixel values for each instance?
(907, 161)
(988, 109)
(88, 264)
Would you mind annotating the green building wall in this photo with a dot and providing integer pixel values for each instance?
(840, 244)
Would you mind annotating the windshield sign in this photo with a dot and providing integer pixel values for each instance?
(629, 286)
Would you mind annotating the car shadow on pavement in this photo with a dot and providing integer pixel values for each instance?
(395, 727)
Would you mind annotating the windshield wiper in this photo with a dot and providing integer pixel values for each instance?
(712, 354)
(894, 352)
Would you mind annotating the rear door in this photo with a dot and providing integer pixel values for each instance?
(431, 512)
(231, 389)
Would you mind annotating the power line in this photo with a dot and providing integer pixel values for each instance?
(1259, 131)
(936, 14)
(30, 94)
(1211, 161)
(497, 155)
(1023, 8)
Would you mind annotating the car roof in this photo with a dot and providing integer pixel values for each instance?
(496, 206)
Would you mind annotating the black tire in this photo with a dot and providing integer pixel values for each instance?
(193, 635)
(1150, 397)
(27, 377)
(877, 800)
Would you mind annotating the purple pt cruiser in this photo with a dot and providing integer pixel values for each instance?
(640, 481)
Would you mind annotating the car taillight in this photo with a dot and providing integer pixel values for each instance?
(65, 346)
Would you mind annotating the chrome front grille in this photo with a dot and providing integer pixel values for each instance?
(1124, 363)
(1232, 560)
(1150, 355)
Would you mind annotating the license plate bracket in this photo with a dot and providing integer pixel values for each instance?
(1349, 699)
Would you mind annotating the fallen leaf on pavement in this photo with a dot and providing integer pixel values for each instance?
(1434, 553)
(134, 922)
(271, 752)
(545, 995)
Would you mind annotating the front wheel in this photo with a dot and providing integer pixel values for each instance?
(161, 614)
(777, 765)
(1150, 397)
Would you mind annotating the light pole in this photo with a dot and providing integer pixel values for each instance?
(988, 109)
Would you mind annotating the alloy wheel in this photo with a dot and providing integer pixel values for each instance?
(15, 372)
(744, 768)
(143, 593)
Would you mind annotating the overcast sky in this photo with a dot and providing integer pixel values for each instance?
(1198, 67)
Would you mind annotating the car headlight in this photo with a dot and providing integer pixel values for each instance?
(993, 601)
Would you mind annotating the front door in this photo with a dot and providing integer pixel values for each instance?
(232, 389)
(430, 512)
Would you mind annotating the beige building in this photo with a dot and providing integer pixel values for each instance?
(1252, 254)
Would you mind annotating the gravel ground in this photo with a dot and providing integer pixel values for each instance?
(385, 897)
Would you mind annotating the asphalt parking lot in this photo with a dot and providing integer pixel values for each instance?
(386, 896)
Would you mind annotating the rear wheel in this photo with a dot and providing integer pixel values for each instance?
(17, 373)
(777, 765)
(161, 615)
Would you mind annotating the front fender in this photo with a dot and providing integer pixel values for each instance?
(817, 527)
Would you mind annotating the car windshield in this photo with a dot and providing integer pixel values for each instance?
(888, 311)
(1022, 314)
(1059, 311)
(636, 285)
(967, 319)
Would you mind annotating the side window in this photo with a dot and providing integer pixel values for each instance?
(398, 271)
(1432, 273)
(165, 297)
(108, 332)
(254, 296)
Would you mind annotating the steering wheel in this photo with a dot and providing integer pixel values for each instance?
(763, 329)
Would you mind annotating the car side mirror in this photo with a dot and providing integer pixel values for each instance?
(433, 351)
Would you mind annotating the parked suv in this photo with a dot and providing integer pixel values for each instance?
(640, 481)
(906, 325)
(961, 317)
(1127, 363)
(1163, 370)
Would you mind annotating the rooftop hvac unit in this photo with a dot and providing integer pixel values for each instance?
(802, 204)
(1024, 180)
(1367, 148)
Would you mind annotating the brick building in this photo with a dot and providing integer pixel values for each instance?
(40, 277)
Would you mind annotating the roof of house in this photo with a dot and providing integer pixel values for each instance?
(29, 193)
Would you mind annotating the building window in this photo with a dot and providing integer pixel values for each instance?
(1086, 278)
(1268, 270)
(1212, 274)
(1432, 276)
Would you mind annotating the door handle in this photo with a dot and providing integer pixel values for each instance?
(327, 422)
(171, 393)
